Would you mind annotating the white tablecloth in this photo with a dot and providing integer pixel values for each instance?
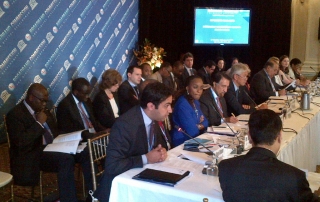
(299, 150)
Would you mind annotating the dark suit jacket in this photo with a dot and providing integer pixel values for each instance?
(210, 109)
(260, 87)
(127, 97)
(102, 109)
(26, 148)
(168, 81)
(260, 176)
(185, 75)
(127, 142)
(69, 118)
(234, 105)
(206, 77)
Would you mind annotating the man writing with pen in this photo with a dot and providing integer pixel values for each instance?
(212, 103)
(237, 98)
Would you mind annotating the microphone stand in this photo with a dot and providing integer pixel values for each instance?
(255, 104)
(215, 157)
(240, 147)
(181, 130)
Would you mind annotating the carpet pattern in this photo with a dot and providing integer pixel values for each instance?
(24, 193)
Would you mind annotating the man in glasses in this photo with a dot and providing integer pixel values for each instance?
(237, 98)
(31, 127)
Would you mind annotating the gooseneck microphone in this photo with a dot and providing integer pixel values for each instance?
(255, 104)
(239, 147)
(313, 69)
(181, 130)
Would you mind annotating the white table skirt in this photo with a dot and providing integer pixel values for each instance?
(299, 150)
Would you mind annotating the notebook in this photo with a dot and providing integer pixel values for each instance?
(160, 177)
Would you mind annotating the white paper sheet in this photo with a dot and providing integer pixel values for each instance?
(69, 147)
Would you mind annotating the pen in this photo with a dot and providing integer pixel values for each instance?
(233, 114)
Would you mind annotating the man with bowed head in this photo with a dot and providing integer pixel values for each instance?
(31, 127)
(136, 138)
(259, 175)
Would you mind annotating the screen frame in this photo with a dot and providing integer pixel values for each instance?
(216, 44)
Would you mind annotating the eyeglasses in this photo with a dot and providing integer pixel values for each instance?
(40, 99)
(244, 77)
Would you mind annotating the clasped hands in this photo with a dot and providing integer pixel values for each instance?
(157, 154)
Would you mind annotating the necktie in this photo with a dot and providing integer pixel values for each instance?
(136, 90)
(151, 135)
(191, 72)
(47, 135)
(87, 121)
(237, 94)
(219, 106)
(163, 130)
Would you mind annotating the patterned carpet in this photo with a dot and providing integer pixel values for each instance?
(23, 194)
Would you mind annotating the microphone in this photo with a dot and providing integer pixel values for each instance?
(240, 147)
(255, 104)
(313, 69)
(181, 130)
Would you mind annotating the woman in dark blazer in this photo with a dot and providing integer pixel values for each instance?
(105, 104)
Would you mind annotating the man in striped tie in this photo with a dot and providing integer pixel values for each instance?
(31, 127)
(212, 103)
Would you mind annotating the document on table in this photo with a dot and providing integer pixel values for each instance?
(65, 143)
(197, 157)
(221, 130)
(243, 117)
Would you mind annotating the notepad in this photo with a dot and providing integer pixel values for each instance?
(160, 177)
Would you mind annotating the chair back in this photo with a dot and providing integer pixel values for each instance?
(98, 153)
(6, 129)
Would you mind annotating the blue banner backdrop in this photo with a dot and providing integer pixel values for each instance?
(53, 42)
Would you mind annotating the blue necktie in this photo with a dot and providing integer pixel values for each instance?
(47, 135)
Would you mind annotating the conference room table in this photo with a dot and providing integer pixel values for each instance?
(300, 150)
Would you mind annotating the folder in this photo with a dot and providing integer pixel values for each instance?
(160, 177)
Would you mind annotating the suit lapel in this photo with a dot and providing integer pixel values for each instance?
(142, 129)
(74, 110)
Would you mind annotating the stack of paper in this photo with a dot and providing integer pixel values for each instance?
(221, 130)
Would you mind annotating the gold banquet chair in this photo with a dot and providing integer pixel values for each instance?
(41, 172)
(98, 153)
(6, 178)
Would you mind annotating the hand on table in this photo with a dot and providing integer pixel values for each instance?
(156, 155)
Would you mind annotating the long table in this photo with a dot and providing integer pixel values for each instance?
(300, 150)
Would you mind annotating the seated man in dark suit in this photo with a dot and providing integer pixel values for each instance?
(212, 102)
(75, 111)
(128, 93)
(237, 98)
(206, 71)
(31, 127)
(259, 175)
(188, 70)
(136, 138)
(261, 86)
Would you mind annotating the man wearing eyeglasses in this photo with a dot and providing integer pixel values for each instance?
(237, 98)
(31, 127)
